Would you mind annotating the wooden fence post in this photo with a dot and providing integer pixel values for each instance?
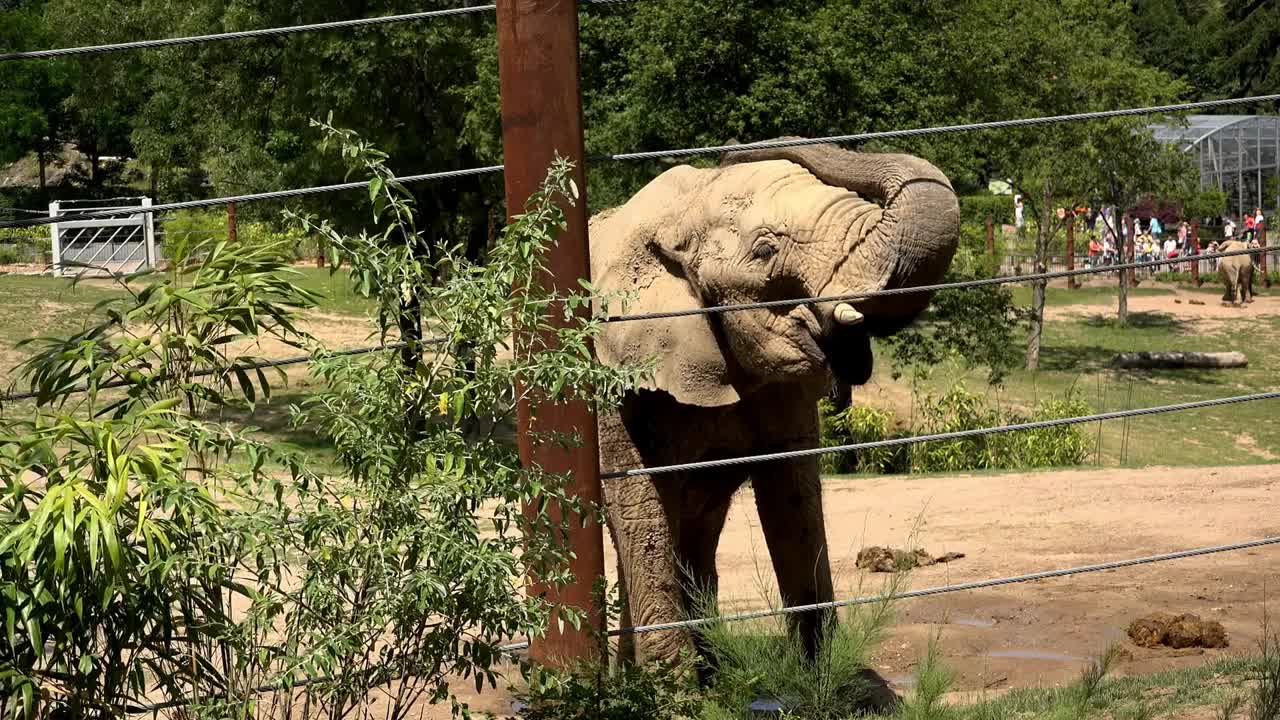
(232, 225)
(1195, 249)
(542, 117)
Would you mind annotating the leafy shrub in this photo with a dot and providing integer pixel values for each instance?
(8, 255)
(122, 523)
(210, 224)
(954, 410)
(959, 409)
(858, 424)
(148, 554)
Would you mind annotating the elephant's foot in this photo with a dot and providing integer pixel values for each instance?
(881, 699)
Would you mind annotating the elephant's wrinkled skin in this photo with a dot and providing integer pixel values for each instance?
(765, 225)
(1237, 274)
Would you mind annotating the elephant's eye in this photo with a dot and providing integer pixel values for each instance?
(764, 250)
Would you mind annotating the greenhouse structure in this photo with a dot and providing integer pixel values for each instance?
(1237, 154)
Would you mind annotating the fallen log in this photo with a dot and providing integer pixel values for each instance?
(1178, 359)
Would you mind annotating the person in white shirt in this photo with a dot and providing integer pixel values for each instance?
(1258, 218)
(1229, 229)
(1170, 250)
(1017, 211)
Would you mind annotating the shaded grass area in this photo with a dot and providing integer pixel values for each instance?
(44, 306)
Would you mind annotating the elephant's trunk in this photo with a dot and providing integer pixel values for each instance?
(911, 243)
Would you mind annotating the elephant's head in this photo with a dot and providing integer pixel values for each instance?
(771, 225)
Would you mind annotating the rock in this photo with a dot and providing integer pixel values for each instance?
(883, 559)
(1177, 631)
(1195, 302)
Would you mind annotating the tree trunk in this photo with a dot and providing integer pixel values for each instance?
(1036, 327)
(154, 180)
(44, 186)
(1044, 233)
(1122, 315)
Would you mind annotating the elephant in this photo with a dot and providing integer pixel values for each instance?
(765, 224)
(1237, 274)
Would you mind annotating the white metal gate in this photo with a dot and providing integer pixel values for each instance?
(103, 246)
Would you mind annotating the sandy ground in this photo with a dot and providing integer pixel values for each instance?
(1040, 633)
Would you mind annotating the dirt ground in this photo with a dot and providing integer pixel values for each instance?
(1204, 317)
(1040, 633)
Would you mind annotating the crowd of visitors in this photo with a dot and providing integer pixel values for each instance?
(1107, 235)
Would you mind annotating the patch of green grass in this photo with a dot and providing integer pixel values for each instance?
(1091, 295)
(1209, 685)
(335, 289)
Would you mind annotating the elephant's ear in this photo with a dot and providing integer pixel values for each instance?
(636, 250)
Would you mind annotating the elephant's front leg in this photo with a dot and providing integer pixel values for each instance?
(789, 499)
(644, 539)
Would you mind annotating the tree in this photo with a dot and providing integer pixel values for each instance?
(32, 93)
(1065, 57)
(1250, 37)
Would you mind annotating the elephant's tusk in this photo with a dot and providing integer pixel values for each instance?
(846, 315)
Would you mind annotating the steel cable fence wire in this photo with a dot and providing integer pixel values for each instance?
(938, 437)
(682, 152)
(939, 130)
(265, 32)
(925, 592)
(961, 285)
(262, 365)
(253, 197)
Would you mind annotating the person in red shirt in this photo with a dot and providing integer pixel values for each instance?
(1095, 248)
(1249, 224)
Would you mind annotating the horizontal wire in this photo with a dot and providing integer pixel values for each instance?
(273, 195)
(965, 284)
(957, 435)
(925, 592)
(264, 32)
(296, 360)
(284, 194)
(939, 130)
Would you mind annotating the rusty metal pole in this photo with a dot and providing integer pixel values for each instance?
(542, 116)
(1071, 251)
(1195, 245)
(991, 237)
(231, 223)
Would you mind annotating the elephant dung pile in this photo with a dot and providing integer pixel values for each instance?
(1177, 631)
(883, 559)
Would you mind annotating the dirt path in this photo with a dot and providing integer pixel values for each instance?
(1037, 633)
